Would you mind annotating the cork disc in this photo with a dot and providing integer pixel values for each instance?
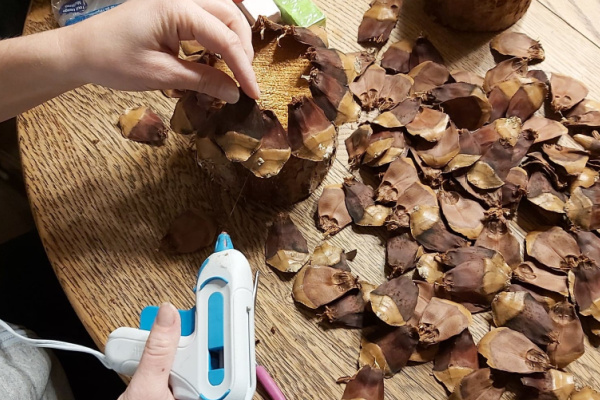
(279, 67)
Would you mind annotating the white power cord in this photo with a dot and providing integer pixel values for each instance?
(56, 344)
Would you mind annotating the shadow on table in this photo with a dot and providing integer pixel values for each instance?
(131, 224)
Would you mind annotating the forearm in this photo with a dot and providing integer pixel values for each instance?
(36, 68)
(131, 47)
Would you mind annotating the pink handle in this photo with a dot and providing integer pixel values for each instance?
(268, 383)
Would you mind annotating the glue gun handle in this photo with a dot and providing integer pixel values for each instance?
(124, 350)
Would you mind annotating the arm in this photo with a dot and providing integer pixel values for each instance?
(131, 47)
(33, 70)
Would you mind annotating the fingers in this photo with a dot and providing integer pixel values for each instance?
(201, 78)
(157, 360)
(233, 18)
(211, 32)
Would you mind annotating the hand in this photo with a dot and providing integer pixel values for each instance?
(151, 379)
(134, 46)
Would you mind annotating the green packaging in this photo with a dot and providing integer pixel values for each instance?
(300, 13)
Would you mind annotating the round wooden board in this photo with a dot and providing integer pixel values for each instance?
(102, 203)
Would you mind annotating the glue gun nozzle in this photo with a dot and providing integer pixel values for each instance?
(223, 242)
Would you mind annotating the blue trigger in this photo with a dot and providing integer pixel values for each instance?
(188, 319)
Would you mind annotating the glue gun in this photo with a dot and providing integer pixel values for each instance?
(215, 358)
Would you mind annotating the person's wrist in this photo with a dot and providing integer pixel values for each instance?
(74, 55)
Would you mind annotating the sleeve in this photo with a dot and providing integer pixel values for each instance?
(30, 373)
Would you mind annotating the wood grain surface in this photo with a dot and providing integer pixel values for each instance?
(102, 203)
(580, 15)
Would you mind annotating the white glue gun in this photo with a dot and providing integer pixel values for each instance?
(215, 359)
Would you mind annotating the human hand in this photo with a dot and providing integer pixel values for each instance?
(151, 379)
(134, 47)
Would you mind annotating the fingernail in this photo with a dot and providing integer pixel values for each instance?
(166, 315)
(258, 93)
(231, 95)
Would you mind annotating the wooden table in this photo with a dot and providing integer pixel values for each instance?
(102, 203)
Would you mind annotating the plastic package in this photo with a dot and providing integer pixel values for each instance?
(68, 12)
(300, 12)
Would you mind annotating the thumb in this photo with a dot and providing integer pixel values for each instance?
(152, 374)
(202, 78)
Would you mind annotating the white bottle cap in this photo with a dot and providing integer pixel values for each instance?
(253, 8)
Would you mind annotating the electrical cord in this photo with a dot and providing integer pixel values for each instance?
(56, 344)
(59, 345)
